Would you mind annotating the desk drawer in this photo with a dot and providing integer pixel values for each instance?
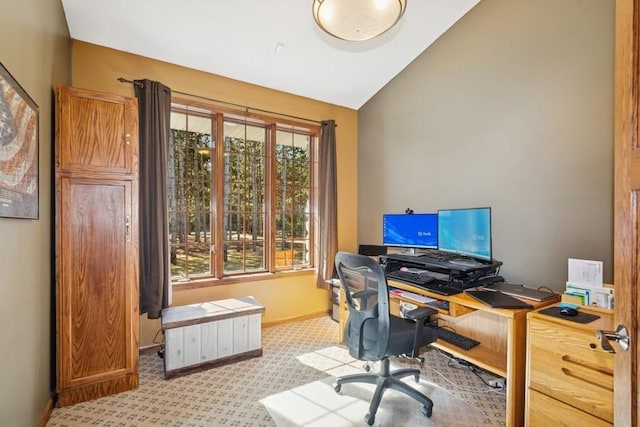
(545, 411)
(565, 365)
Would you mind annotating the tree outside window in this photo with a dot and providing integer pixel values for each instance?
(241, 194)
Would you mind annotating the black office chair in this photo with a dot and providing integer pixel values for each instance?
(373, 334)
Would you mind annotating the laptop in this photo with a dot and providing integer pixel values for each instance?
(496, 299)
(521, 291)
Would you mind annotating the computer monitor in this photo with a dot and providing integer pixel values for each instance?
(410, 231)
(465, 232)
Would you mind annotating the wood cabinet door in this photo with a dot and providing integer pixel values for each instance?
(96, 247)
(97, 284)
(97, 130)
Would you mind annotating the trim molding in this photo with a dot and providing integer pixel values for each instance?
(297, 318)
(148, 349)
(46, 413)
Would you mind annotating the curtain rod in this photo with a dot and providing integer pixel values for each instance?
(246, 107)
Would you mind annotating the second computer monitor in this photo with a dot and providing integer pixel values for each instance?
(465, 232)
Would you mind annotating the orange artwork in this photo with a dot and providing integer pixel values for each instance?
(18, 150)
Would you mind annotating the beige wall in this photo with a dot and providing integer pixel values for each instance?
(511, 108)
(284, 296)
(35, 48)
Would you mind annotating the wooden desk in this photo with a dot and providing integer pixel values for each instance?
(502, 334)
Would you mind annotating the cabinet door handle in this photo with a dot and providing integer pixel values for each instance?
(127, 138)
(127, 226)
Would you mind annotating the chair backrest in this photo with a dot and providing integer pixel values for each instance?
(364, 286)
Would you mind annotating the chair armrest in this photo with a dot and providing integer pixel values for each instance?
(420, 313)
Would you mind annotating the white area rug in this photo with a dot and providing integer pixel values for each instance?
(317, 404)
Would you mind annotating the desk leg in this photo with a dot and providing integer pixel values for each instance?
(516, 368)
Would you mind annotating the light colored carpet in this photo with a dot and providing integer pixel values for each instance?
(230, 395)
(317, 404)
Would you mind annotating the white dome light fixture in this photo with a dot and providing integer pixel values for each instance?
(357, 20)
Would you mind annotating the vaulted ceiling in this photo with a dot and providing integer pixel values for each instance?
(271, 43)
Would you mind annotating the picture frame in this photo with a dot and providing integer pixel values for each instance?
(19, 150)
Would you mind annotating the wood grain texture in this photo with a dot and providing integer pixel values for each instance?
(626, 243)
(502, 335)
(566, 364)
(95, 390)
(95, 268)
(107, 146)
(546, 411)
(97, 311)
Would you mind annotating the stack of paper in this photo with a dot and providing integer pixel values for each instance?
(585, 283)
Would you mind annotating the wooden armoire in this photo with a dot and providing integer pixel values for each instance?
(96, 244)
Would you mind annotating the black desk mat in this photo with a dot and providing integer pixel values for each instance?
(580, 318)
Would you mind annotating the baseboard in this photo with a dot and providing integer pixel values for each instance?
(46, 413)
(297, 318)
(149, 349)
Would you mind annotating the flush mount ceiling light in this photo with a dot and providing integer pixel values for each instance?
(357, 20)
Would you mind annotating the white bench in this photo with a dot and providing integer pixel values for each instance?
(201, 336)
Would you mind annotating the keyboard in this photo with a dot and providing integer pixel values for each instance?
(440, 287)
(452, 261)
(411, 277)
(465, 262)
(425, 281)
(454, 338)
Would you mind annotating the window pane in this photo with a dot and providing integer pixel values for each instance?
(198, 259)
(244, 196)
(292, 199)
(241, 210)
(189, 179)
(300, 226)
(301, 248)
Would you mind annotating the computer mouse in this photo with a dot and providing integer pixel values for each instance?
(567, 311)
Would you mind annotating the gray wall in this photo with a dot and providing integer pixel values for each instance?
(511, 108)
(35, 48)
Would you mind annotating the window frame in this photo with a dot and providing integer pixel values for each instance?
(219, 115)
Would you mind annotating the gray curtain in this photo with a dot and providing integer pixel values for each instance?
(327, 204)
(154, 111)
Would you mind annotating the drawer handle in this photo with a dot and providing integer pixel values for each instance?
(583, 364)
(569, 373)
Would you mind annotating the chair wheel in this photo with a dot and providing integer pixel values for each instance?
(337, 388)
(427, 411)
(369, 419)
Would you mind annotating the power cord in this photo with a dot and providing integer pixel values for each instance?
(161, 343)
(548, 289)
(463, 364)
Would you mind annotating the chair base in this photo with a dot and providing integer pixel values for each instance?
(386, 379)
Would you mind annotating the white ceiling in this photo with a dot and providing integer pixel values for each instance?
(271, 43)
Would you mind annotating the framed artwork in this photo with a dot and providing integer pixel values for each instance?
(18, 150)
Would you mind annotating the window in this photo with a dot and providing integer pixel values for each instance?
(241, 193)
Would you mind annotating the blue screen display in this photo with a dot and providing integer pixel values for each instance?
(410, 230)
(465, 232)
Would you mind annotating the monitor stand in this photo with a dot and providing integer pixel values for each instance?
(411, 252)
